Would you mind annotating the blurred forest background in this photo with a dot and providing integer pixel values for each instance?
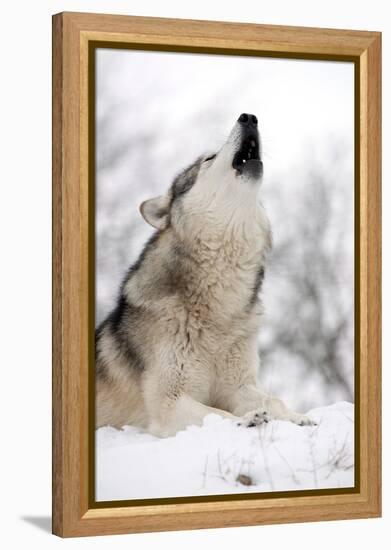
(157, 111)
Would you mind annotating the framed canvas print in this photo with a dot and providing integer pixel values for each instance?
(216, 274)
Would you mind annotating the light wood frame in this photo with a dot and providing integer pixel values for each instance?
(73, 34)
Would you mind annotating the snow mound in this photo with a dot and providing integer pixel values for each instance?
(221, 458)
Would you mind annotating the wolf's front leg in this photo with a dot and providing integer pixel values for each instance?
(257, 408)
(176, 412)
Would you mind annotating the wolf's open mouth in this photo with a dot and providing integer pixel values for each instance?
(248, 155)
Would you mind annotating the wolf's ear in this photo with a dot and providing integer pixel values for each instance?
(156, 211)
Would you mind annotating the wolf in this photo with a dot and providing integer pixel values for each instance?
(181, 342)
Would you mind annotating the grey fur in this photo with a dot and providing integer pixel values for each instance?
(182, 340)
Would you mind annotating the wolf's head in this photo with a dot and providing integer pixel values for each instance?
(216, 188)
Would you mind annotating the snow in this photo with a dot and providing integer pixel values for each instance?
(220, 457)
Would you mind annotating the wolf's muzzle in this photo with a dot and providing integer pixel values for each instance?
(248, 120)
(247, 159)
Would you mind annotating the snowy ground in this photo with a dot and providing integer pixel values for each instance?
(220, 457)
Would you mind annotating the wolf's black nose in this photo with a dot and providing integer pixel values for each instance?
(248, 120)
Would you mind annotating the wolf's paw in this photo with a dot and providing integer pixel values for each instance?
(302, 420)
(254, 418)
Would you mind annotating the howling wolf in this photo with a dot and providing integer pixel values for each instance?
(181, 342)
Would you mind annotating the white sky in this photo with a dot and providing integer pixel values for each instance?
(302, 105)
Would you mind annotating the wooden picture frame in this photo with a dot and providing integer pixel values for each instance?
(75, 35)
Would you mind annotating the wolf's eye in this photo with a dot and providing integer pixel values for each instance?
(210, 158)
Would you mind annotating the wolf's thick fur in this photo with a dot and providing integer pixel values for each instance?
(182, 340)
